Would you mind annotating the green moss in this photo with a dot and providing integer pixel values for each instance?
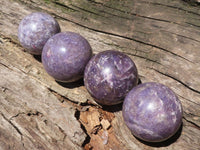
(47, 1)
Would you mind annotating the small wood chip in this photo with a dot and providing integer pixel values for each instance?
(105, 124)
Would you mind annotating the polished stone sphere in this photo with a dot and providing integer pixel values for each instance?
(65, 56)
(109, 76)
(152, 112)
(34, 31)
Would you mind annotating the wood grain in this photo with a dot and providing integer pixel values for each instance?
(161, 37)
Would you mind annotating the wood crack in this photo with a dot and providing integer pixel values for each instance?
(29, 113)
(79, 108)
(174, 7)
(87, 139)
(15, 42)
(91, 12)
(63, 132)
(18, 114)
(181, 36)
(103, 11)
(190, 114)
(189, 100)
(179, 81)
(193, 24)
(13, 125)
(193, 2)
(154, 61)
(63, 5)
(5, 66)
(61, 98)
(195, 125)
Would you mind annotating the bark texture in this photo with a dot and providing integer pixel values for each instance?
(162, 38)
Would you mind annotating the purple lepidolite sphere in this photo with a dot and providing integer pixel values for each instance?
(109, 76)
(152, 112)
(34, 31)
(65, 56)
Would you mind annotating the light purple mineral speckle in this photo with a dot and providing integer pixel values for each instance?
(34, 31)
(152, 112)
(65, 56)
(109, 76)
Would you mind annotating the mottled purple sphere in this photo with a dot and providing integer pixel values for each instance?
(152, 112)
(109, 76)
(65, 56)
(34, 31)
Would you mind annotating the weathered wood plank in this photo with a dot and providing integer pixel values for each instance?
(162, 37)
(38, 118)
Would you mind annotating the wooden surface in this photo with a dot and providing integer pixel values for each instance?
(163, 39)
